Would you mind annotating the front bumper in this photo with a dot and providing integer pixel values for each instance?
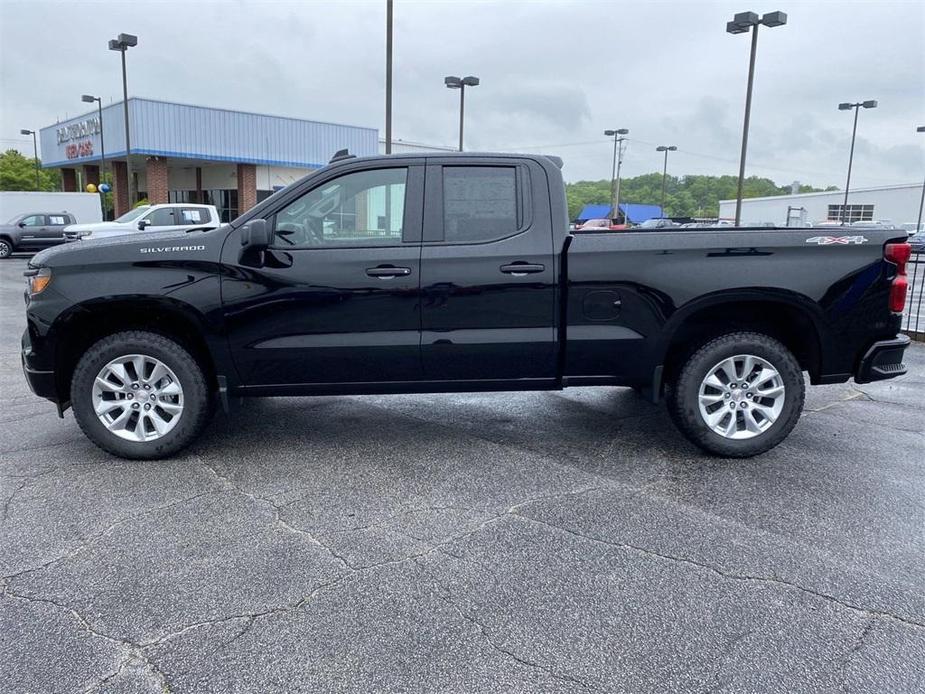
(884, 359)
(41, 382)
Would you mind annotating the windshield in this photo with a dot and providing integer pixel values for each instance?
(132, 215)
(15, 219)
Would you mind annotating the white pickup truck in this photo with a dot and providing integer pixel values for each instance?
(170, 217)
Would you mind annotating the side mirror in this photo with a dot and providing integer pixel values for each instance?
(255, 235)
(142, 224)
(21, 225)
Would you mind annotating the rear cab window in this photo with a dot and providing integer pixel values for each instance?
(57, 220)
(477, 203)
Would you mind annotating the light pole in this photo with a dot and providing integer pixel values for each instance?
(615, 169)
(461, 84)
(388, 76)
(665, 149)
(35, 154)
(918, 223)
(847, 107)
(89, 99)
(740, 24)
(121, 44)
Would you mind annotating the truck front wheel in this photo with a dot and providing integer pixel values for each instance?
(139, 395)
(738, 395)
(6, 248)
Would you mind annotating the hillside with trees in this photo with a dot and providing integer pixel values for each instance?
(686, 196)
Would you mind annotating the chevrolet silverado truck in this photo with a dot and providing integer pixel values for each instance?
(452, 273)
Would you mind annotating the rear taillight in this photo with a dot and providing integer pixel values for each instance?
(899, 254)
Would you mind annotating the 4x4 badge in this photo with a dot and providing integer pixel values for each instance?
(836, 240)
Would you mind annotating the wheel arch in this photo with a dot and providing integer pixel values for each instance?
(791, 318)
(85, 324)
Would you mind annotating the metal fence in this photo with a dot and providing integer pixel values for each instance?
(914, 314)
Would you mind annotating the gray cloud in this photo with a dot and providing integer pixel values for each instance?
(554, 75)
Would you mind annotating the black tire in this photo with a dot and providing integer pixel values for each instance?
(197, 403)
(683, 394)
(6, 248)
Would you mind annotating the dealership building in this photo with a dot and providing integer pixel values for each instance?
(898, 204)
(182, 153)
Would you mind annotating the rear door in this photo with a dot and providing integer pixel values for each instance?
(53, 231)
(334, 303)
(487, 271)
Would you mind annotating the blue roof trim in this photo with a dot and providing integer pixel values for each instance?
(183, 155)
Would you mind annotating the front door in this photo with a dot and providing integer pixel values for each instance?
(488, 276)
(335, 300)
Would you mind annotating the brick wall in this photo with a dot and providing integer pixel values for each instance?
(91, 175)
(247, 187)
(120, 187)
(156, 172)
(69, 180)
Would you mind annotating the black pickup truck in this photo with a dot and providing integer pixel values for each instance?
(414, 273)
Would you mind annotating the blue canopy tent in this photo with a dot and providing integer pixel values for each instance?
(637, 214)
(633, 212)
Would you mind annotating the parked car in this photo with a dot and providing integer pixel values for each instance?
(912, 228)
(33, 231)
(600, 225)
(470, 283)
(658, 223)
(148, 218)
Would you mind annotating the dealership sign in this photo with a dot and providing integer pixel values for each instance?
(79, 149)
(76, 131)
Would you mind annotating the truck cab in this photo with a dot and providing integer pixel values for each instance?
(33, 231)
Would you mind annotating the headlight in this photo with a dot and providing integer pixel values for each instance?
(38, 280)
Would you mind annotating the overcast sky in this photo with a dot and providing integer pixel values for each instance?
(554, 75)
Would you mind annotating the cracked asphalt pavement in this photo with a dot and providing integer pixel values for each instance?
(515, 542)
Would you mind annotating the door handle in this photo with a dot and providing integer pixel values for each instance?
(519, 269)
(388, 272)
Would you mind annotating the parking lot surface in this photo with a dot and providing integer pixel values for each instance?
(517, 542)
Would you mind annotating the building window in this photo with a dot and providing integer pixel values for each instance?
(851, 213)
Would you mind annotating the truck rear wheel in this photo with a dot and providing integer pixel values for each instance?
(738, 395)
(139, 395)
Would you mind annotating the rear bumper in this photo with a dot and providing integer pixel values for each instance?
(883, 360)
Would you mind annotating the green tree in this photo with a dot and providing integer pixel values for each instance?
(18, 173)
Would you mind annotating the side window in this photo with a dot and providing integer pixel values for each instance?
(57, 220)
(365, 208)
(162, 217)
(35, 220)
(479, 203)
(194, 215)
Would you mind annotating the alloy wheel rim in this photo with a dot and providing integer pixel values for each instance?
(137, 397)
(5, 249)
(741, 397)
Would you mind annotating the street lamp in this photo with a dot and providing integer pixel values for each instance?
(121, 44)
(461, 83)
(740, 24)
(918, 223)
(847, 107)
(88, 99)
(665, 149)
(35, 154)
(615, 170)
